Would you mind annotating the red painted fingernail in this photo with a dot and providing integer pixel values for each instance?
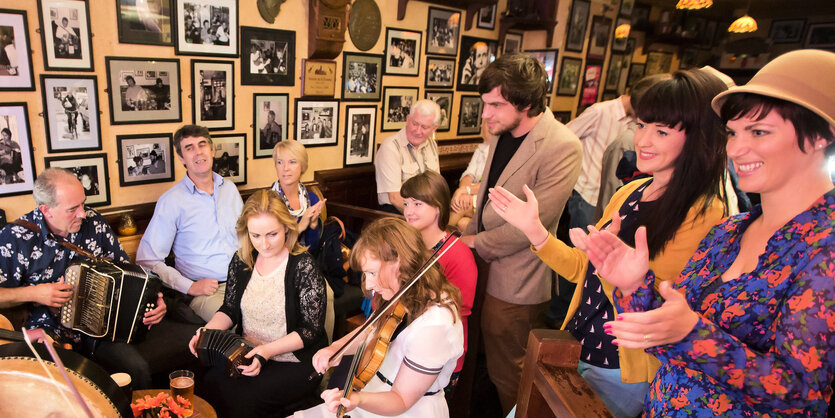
(620, 318)
(607, 330)
(607, 325)
(615, 342)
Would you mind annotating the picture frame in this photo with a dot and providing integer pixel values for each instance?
(145, 158)
(619, 45)
(213, 94)
(318, 78)
(362, 76)
(591, 85)
(688, 58)
(786, 31)
(146, 22)
(562, 116)
(265, 132)
(442, 30)
(601, 28)
(570, 73)
(16, 139)
(820, 35)
(271, 57)
(575, 36)
(658, 62)
(512, 43)
(317, 122)
(154, 95)
(614, 72)
(17, 74)
(609, 95)
(626, 7)
(473, 57)
(640, 17)
(397, 102)
(91, 170)
(443, 98)
(402, 52)
(230, 157)
(548, 58)
(360, 122)
(487, 17)
(440, 72)
(65, 35)
(469, 115)
(71, 112)
(636, 72)
(217, 35)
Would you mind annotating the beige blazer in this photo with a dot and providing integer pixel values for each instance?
(548, 161)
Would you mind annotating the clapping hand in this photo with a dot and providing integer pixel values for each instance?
(523, 215)
(668, 324)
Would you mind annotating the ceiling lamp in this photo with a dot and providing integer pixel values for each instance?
(744, 24)
(694, 4)
(622, 31)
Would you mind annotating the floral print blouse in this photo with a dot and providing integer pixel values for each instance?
(764, 342)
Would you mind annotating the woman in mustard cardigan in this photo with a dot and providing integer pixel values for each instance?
(682, 143)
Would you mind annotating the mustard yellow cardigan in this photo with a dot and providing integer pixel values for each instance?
(571, 263)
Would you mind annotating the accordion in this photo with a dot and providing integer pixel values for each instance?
(109, 300)
(216, 347)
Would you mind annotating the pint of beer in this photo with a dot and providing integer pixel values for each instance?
(182, 384)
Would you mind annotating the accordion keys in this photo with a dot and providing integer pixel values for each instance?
(220, 348)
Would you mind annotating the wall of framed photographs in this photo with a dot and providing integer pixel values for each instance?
(104, 87)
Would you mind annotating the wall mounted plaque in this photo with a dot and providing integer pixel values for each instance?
(364, 24)
(318, 78)
(326, 30)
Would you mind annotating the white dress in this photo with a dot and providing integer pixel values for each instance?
(432, 343)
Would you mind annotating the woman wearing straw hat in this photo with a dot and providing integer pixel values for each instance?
(747, 329)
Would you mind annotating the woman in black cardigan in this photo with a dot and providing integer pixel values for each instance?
(276, 297)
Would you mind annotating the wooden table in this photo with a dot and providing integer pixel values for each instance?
(202, 409)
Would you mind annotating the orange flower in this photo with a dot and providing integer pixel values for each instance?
(680, 401)
(731, 312)
(830, 320)
(811, 360)
(777, 277)
(735, 378)
(706, 347)
(799, 303)
(720, 405)
(771, 384)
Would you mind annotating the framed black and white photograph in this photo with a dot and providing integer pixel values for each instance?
(71, 113)
(230, 157)
(145, 158)
(317, 122)
(143, 90)
(271, 59)
(91, 170)
(548, 58)
(15, 61)
(619, 45)
(512, 43)
(688, 58)
(626, 7)
(440, 72)
(359, 134)
(475, 55)
(787, 31)
(17, 163)
(576, 34)
(207, 27)
(397, 102)
(562, 116)
(658, 62)
(65, 35)
(270, 112)
(213, 94)
(443, 98)
(402, 52)
(820, 35)
(487, 17)
(442, 31)
(469, 115)
(569, 80)
(609, 95)
(613, 73)
(636, 72)
(601, 27)
(640, 17)
(362, 75)
(144, 22)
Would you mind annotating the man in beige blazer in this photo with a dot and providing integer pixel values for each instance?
(531, 148)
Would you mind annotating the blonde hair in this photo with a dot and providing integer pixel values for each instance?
(296, 150)
(392, 239)
(266, 202)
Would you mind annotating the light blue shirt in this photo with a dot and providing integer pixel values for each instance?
(199, 227)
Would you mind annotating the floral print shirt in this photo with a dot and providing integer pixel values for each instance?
(764, 342)
(28, 258)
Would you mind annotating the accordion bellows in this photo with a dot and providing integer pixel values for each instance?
(223, 348)
(109, 299)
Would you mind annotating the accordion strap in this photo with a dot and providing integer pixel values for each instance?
(72, 247)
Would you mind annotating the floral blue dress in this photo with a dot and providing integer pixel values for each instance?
(764, 342)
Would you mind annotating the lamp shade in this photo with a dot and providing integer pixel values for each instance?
(694, 4)
(744, 24)
(622, 31)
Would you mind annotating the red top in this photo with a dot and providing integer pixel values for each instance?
(458, 265)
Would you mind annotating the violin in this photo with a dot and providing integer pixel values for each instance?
(7, 332)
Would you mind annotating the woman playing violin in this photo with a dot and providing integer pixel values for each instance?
(423, 355)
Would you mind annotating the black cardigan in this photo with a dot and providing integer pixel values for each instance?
(304, 305)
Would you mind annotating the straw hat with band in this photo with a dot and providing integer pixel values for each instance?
(804, 77)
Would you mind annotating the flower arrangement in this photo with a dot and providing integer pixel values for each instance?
(161, 406)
